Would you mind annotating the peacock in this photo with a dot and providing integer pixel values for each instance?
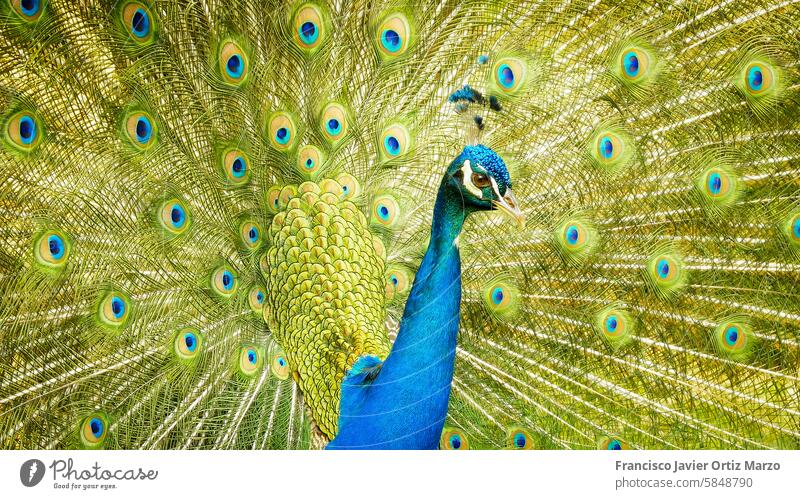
(290, 224)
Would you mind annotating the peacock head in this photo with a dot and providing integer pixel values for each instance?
(483, 180)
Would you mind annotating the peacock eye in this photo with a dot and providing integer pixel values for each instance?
(480, 180)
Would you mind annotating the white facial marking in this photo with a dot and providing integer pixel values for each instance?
(466, 171)
(495, 188)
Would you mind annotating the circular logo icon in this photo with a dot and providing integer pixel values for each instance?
(31, 472)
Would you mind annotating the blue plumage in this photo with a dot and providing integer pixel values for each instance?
(402, 402)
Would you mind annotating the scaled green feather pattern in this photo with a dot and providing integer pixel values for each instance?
(326, 294)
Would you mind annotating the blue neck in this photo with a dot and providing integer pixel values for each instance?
(437, 284)
(405, 405)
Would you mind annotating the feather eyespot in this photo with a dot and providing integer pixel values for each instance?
(251, 359)
(29, 10)
(509, 74)
(397, 280)
(140, 130)
(733, 337)
(24, 131)
(188, 343)
(309, 29)
(394, 141)
(280, 366)
(224, 282)
(52, 249)
(385, 210)
(519, 438)
(273, 198)
(174, 217)
(613, 443)
(635, 63)
(394, 35)
(234, 64)
(501, 297)
(138, 21)
(236, 166)
(334, 122)
(255, 298)
(114, 309)
(758, 78)
(94, 430)
(665, 272)
(575, 238)
(350, 186)
(609, 147)
(309, 161)
(281, 131)
(718, 186)
(792, 229)
(453, 439)
(615, 325)
(250, 233)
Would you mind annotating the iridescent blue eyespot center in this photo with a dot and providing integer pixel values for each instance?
(383, 212)
(227, 280)
(308, 32)
(56, 246)
(731, 335)
(631, 64)
(796, 228)
(252, 234)
(190, 340)
(345, 189)
(143, 130)
(27, 130)
(177, 215)
(715, 183)
(251, 356)
(260, 297)
(606, 148)
(29, 7)
(662, 268)
(572, 235)
(497, 295)
(615, 445)
(455, 442)
(282, 135)
(281, 361)
(392, 145)
(140, 23)
(96, 426)
(611, 323)
(117, 307)
(520, 440)
(234, 66)
(505, 75)
(309, 163)
(238, 167)
(333, 126)
(390, 40)
(394, 280)
(755, 78)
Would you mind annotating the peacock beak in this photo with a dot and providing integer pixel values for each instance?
(508, 205)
